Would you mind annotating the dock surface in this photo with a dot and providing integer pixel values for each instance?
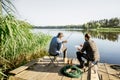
(42, 70)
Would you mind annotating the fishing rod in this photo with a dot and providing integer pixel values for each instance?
(69, 36)
(94, 63)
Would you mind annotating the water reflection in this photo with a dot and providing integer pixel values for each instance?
(111, 36)
(107, 42)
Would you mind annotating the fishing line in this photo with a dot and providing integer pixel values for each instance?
(69, 36)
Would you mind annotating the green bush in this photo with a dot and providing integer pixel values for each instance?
(17, 44)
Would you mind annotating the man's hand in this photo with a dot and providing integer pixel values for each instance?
(78, 49)
(65, 41)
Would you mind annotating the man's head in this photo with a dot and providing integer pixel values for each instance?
(60, 35)
(87, 36)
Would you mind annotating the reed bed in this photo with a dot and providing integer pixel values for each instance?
(18, 45)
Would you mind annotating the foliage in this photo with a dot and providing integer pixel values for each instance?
(105, 23)
(17, 44)
(6, 6)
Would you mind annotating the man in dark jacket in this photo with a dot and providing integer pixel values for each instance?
(92, 53)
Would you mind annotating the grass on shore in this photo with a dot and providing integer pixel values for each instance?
(18, 45)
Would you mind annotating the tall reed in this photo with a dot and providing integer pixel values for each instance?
(17, 44)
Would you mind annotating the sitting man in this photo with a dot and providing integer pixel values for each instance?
(56, 45)
(92, 53)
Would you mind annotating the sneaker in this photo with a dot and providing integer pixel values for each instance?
(80, 66)
(86, 64)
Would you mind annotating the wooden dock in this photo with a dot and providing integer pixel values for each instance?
(40, 70)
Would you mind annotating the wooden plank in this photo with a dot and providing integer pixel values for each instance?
(22, 74)
(66, 78)
(40, 71)
(84, 76)
(76, 78)
(29, 75)
(41, 76)
(33, 72)
(94, 73)
(102, 71)
(20, 69)
(54, 73)
(112, 73)
(14, 78)
(52, 76)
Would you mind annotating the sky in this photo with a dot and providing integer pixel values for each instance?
(66, 12)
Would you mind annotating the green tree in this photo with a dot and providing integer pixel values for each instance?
(114, 22)
(97, 25)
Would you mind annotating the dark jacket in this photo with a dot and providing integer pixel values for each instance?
(91, 50)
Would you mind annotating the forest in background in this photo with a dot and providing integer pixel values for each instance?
(104, 23)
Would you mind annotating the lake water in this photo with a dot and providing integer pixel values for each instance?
(108, 42)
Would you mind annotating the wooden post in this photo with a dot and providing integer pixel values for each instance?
(89, 71)
(92, 72)
(65, 56)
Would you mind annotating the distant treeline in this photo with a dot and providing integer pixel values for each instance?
(58, 27)
(105, 23)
